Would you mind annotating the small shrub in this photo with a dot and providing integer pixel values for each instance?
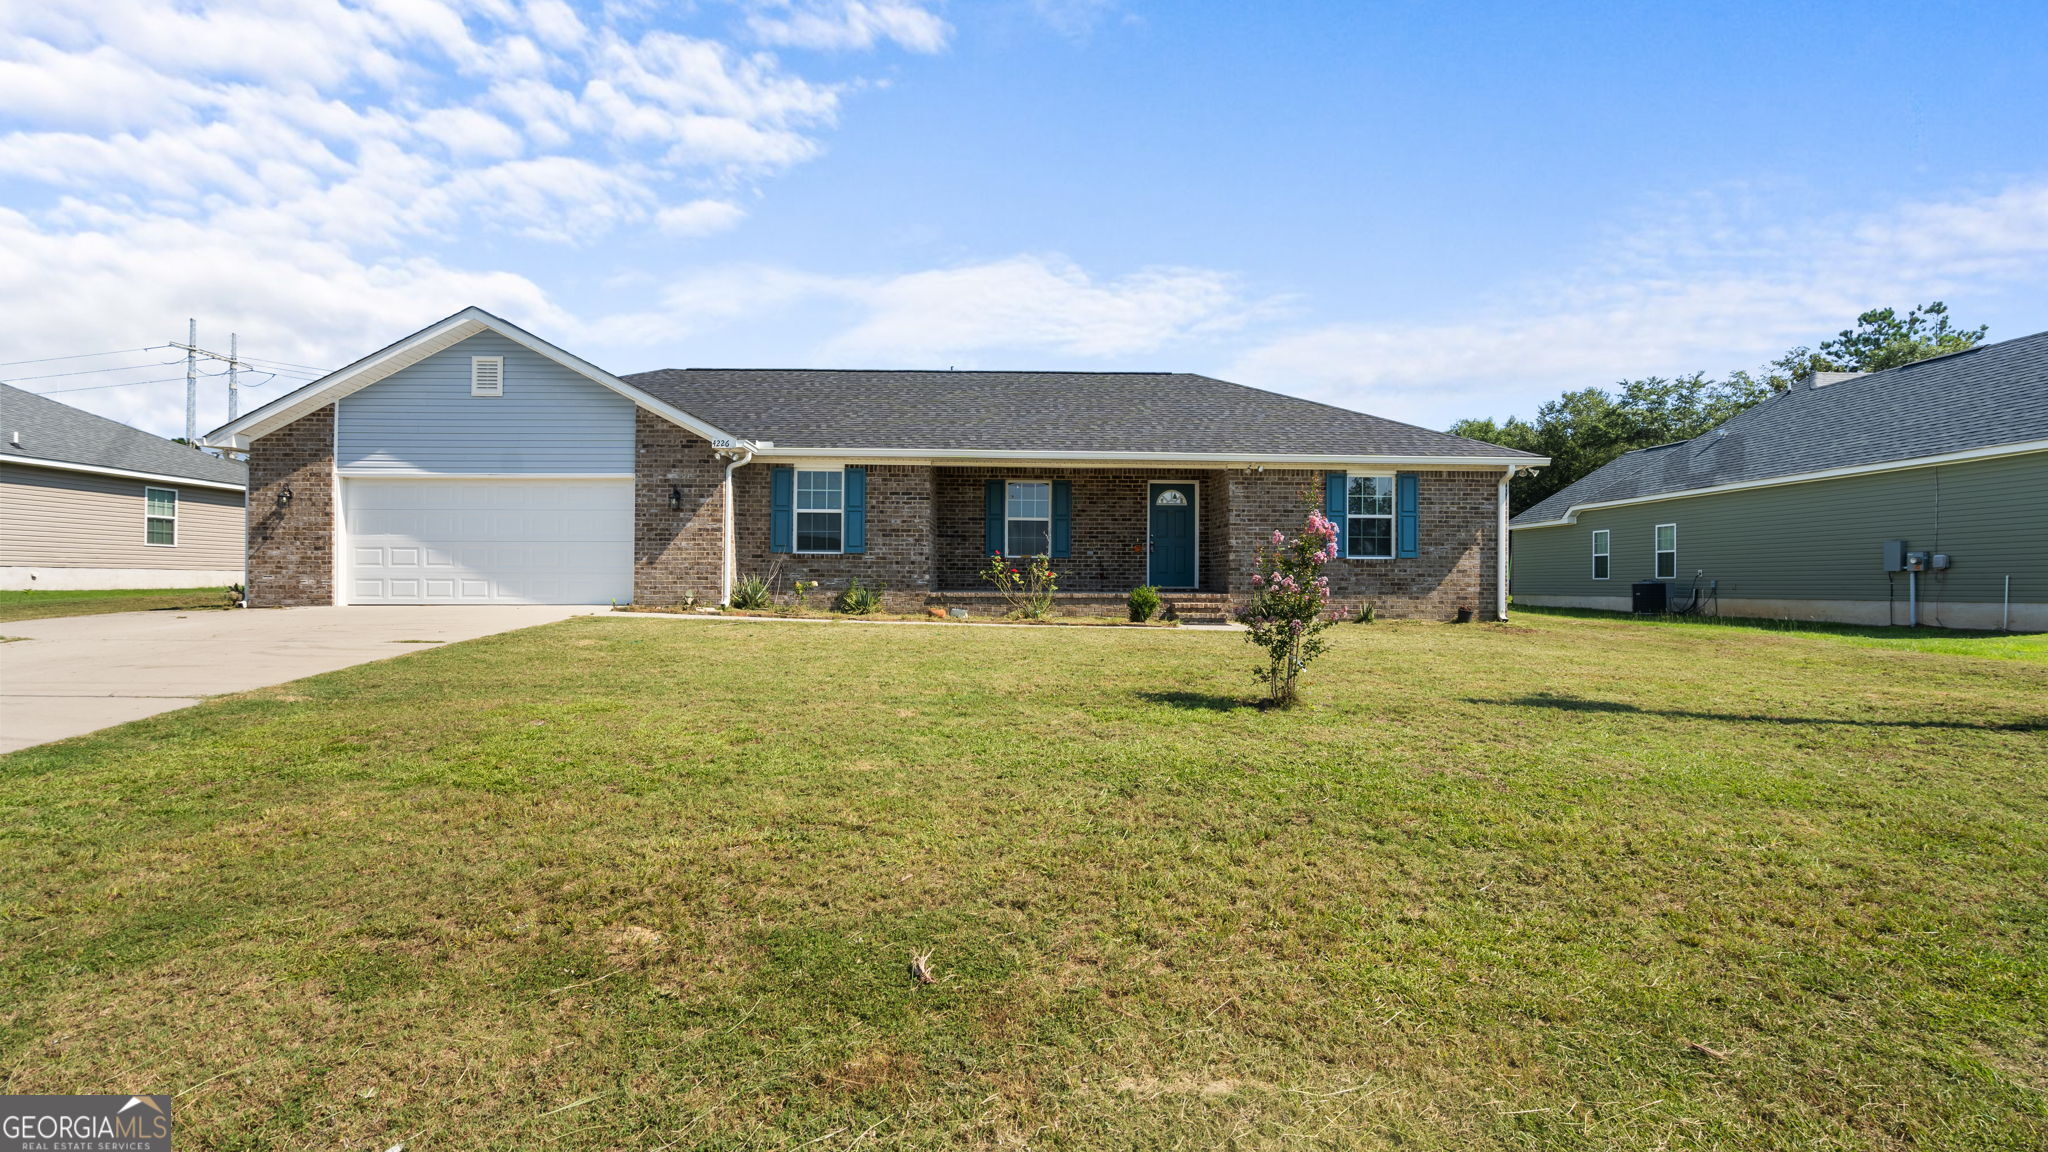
(1364, 615)
(1026, 584)
(803, 590)
(751, 594)
(858, 599)
(236, 594)
(1144, 603)
(1290, 595)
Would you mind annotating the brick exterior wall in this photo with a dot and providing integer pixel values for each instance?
(899, 538)
(291, 548)
(676, 553)
(1457, 543)
(1109, 527)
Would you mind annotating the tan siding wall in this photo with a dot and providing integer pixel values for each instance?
(1821, 540)
(52, 518)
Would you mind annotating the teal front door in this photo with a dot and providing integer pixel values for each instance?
(1173, 536)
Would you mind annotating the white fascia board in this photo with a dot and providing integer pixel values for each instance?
(1150, 459)
(1571, 515)
(237, 435)
(414, 474)
(126, 474)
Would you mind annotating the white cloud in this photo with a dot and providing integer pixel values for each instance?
(1720, 286)
(1024, 306)
(841, 25)
(1076, 19)
(699, 217)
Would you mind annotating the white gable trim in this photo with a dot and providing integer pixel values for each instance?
(237, 435)
(1571, 514)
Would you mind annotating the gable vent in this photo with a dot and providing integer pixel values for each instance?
(486, 375)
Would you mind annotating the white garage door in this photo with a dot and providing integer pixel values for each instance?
(488, 541)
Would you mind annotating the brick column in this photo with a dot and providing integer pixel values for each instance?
(291, 543)
(676, 552)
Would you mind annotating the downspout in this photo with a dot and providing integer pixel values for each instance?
(1500, 576)
(727, 569)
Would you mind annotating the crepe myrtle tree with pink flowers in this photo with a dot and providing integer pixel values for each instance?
(1288, 608)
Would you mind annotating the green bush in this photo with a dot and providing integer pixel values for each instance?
(751, 594)
(859, 599)
(1364, 614)
(1144, 603)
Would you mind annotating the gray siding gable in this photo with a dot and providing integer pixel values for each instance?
(421, 420)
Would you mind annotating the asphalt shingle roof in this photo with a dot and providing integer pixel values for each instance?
(59, 432)
(1990, 395)
(1049, 412)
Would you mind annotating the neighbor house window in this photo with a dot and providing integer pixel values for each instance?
(1369, 510)
(486, 375)
(1667, 551)
(160, 515)
(1028, 512)
(820, 511)
(1600, 554)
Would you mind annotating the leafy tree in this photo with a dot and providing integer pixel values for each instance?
(1582, 430)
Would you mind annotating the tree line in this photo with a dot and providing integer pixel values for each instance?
(1582, 430)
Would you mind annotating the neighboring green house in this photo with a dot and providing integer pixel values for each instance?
(1866, 498)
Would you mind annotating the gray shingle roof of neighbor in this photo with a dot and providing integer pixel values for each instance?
(1050, 412)
(1991, 395)
(58, 432)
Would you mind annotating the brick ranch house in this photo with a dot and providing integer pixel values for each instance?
(474, 463)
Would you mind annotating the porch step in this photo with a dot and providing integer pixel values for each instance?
(1199, 607)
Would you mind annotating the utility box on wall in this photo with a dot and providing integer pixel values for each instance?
(1895, 555)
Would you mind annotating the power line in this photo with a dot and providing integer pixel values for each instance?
(89, 371)
(134, 383)
(81, 356)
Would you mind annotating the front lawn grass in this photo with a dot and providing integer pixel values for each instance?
(42, 603)
(645, 884)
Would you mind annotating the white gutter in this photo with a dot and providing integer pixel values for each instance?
(100, 470)
(1162, 459)
(728, 569)
(1500, 548)
(1571, 515)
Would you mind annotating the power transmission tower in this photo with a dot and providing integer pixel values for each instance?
(191, 383)
(192, 354)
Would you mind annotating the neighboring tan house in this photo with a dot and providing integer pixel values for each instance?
(474, 463)
(88, 502)
(1860, 498)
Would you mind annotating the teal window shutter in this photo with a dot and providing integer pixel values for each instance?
(992, 519)
(1062, 517)
(1334, 492)
(1407, 515)
(781, 508)
(856, 539)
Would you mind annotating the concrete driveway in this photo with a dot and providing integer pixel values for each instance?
(77, 674)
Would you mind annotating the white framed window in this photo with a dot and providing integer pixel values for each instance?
(1027, 518)
(1600, 553)
(1369, 517)
(486, 375)
(1667, 551)
(821, 510)
(160, 517)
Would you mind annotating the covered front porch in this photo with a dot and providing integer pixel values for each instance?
(1107, 530)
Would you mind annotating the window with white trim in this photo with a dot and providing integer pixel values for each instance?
(1369, 517)
(160, 516)
(1027, 515)
(1600, 553)
(1667, 551)
(486, 375)
(820, 510)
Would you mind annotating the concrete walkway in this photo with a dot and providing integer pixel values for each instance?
(77, 674)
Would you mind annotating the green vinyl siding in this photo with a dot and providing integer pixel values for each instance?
(1821, 540)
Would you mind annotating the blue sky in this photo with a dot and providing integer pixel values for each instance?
(1420, 210)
